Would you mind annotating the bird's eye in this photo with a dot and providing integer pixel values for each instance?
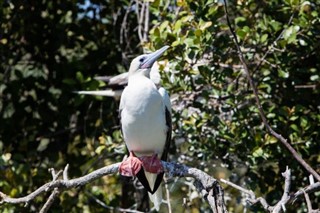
(142, 59)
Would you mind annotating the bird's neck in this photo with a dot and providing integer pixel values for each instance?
(137, 75)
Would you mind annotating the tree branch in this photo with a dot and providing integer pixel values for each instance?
(167, 194)
(61, 184)
(309, 205)
(207, 185)
(50, 201)
(309, 189)
(253, 200)
(286, 197)
(260, 109)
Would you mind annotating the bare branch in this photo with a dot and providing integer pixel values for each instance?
(262, 201)
(246, 191)
(285, 197)
(50, 201)
(207, 185)
(309, 189)
(252, 197)
(65, 172)
(167, 194)
(309, 205)
(259, 106)
(62, 184)
(146, 22)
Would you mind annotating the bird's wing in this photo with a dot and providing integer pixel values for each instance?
(121, 79)
(167, 105)
(122, 102)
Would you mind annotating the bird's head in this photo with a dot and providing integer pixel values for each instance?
(143, 63)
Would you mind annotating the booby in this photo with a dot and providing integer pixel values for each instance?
(145, 113)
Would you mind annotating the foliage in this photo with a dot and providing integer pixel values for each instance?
(59, 46)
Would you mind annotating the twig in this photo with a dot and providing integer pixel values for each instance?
(262, 201)
(309, 189)
(260, 109)
(274, 43)
(167, 194)
(285, 197)
(65, 172)
(252, 197)
(50, 201)
(146, 22)
(313, 86)
(309, 205)
(308, 201)
(124, 30)
(246, 191)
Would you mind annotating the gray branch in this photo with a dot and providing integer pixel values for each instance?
(61, 184)
(50, 201)
(287, 197)
(207, 185)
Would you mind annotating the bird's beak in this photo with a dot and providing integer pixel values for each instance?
(152, 57)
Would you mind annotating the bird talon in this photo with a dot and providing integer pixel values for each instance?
(152, 164)
(130, 166)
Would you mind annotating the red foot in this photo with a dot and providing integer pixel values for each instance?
(152, 164)
(130, 166)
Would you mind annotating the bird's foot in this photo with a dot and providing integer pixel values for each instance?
(130, 166)
(152, 164)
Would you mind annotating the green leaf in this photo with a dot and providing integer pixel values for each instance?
(302, 42)
(241, 33)
(79, 76)
(69, 81)
(276, 26)
(283, 74)
(304, 121)
(44, 142)
(175, 43)
(240, 19)
(290, 33)
(264, 38)
(198, 32)
(314, 78)
(294, 127)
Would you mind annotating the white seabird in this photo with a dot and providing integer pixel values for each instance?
(145, 113)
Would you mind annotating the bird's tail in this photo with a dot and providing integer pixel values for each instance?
(156, 197)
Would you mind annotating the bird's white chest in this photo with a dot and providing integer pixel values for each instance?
(143, 118)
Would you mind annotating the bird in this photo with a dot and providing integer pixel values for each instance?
(145, 117)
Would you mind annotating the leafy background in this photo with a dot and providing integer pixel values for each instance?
(51, 48)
